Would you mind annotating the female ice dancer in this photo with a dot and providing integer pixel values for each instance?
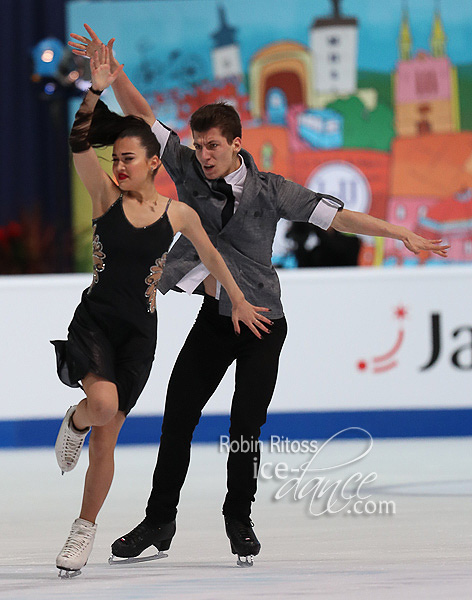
(112, 336)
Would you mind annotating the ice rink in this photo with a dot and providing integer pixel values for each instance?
(422, 551)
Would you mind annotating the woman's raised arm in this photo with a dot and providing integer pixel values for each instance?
(131, 101)
(101, 188)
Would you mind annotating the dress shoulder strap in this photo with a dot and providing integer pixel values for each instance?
(167, 205)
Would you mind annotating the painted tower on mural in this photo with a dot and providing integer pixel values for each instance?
(426, 85)
(334, 44)
(226, 55)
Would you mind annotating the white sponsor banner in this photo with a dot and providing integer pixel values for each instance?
(358, 340)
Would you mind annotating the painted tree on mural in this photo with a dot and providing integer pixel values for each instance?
(364, 128)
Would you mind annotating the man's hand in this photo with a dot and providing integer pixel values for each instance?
(249, 315)
(87, 48)
(416, 244)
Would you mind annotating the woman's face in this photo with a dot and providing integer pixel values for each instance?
(131, 167)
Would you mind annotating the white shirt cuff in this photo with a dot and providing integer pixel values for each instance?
(162, 134)
(324, 213)
(193, 278)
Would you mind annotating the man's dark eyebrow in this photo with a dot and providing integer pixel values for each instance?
(206, 143)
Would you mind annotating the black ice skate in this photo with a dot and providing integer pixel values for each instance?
(243, 540)
(127, 549)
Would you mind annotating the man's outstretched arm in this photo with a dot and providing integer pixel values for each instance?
(129, 98)
(349, 221)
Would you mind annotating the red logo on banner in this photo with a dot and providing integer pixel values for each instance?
(387, 361)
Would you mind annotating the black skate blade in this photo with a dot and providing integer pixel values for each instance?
(117, 560)
(245, 561)
(68, 574)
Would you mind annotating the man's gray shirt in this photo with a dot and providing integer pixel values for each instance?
(245, 243)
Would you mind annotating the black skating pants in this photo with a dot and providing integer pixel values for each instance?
(209, 349)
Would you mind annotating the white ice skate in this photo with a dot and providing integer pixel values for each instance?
(76, 550)
(69, 443)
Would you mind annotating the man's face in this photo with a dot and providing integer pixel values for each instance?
(217, 156)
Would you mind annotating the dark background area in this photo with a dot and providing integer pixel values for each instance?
(35, 220)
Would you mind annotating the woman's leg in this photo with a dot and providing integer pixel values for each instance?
(100, 404)
(101, 466)
(99, 409)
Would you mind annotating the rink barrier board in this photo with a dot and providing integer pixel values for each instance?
(359, 340)
(30, 433)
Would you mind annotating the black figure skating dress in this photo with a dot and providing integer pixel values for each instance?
(114, 329)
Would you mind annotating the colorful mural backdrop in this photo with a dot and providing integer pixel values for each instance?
(369, 104)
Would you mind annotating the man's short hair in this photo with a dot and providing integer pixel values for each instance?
(220, 115)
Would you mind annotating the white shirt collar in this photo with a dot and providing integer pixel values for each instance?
(237, 177)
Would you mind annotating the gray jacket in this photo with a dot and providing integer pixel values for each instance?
(245, 243)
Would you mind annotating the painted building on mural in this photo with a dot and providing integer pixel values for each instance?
(426, 86)
(451, 219)
(431, 159)
(292, 74)
(321, 128)
(334, 46)
(429, 176)
(226, 54)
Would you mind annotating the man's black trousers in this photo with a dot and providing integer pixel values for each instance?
(210, 348)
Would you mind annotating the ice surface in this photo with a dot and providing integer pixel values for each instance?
(422, 551)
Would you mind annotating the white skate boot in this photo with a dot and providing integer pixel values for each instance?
(69, 442)
(77, 549)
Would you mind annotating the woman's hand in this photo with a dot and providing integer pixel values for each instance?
(249, 315)
(102, 74)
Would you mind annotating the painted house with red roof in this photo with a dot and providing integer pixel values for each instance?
(429, 173)
(451, 218)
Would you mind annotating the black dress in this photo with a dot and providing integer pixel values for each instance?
(113, 332)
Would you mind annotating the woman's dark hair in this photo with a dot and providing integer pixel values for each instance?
(220, 115)
(107, 127)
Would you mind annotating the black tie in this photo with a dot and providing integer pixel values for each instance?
(220, 185)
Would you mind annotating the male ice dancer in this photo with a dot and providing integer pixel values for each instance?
(239, 207)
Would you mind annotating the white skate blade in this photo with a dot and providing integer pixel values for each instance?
(245, 561)
(116, 560)
(65, 574)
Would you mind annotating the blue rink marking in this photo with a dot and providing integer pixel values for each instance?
(29, 433)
